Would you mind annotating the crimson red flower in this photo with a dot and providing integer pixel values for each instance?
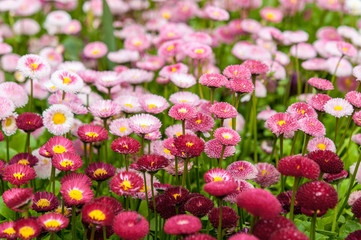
(151, 163)
(67, 161)
(44, 201)
(17, 198)
(240, 85)
(97, 213)
(126, 183)
(125, 145)
(264, 228)
(111, 202)
(333, 177)
(27, 228)
(356, 208)
(130, 226)
(176, 194)
(229, 217)
(18, 174)
(92, 133)
(317, 196)
(24, 159)
(29, 122)
(298, 166)
(220, 188)
(259, 203)
(190, 145)
(7, 230)
(100, 171)
(328, 161)
(199, 206)
(285, 200)
(76, 177)
(53, 222)
(288, 233)
(354, 235)
(182, 224)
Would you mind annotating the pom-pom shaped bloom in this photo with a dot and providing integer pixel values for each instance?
(182, 111)
(68, 161)
(7, 107)
(321, 143)
(223, 110)
(217, 174)
(242, 170)
(301, 110)
(317, 196)
(176, 195)
(243, 186)
(17, 198)
(100, 171)
(15, 93)
(151, 163)
(298, 166)
(24, 159)
(67, 81)
(220, 188)
(29, 122)
(7, 230)
(130, 226)
(44, 202)
(328, 177)
(267, 175)
(125, 145)
(213, 149)
(104, 109)
(33, 66)
(237, 72)
(92, 133)
(318, 101)
(229, 217)
(282, 123)
(213, 80)
(95, 50)
(18, 174)
(144, 123)
(53, 222)
(264, 228)
(199, 206)
(152, 103)
(338, 107)
(259, 203)
(27, 228)
(182, 224)
(58, 119)
(227, 136)
(126, 183)
(354, 98)
(97, 213)
(76, 192)
(190, 145)
(356, 208)
(312, 127)
(321, 84)
(240, 85)
(356, 235)
(200, 123)
(256, 67)
(288, 233)
(328, 161)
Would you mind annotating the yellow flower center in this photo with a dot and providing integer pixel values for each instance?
(95, 51)
(59, 149)
(23, 162)
(97, 215)
(265, 172)
(301, 111)
(178, 134)
(122, 129)
(18, 175)
(100, 172)
(338, 108)
(189, 144)
(166, 15)
(198, 121)
(137, 43)
(345, 49)
(126, 185)
(152, 106)
(66, 163)
(199, 51)
(176, 195)
(170, 48)
(144, 126)
(128, 105)
(125, 146)
(174, 69)
(9, 231)
(298, 167)
(270, 16)
(182, 110)
(66, 80)
(43, 203)
(59, 118)
(143, 189)
(217, 179)
(280, 123)
(321, 146)
(92, 134)
(167, 151)
(52, 224)
(34, 66)
(75, 194)
(26, 232)
(8, 122)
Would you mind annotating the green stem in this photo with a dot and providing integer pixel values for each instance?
(294, 189)
(73, 227)
(126, 161)
(294, 143)
(253, 221)
(183, 127)
(141, 152)
(212, 95)
(176, 170)
(220, 221)
(154, 206)
(334, 140)
(185, 172)
(221, 158)
(334, 73)
(85, 154)
(197, 174)
(104, 233)
(52, 178)
(92, 234)
(305, 144)
(7, 149)
(146, 195)
(344, 133)
(31, 95)
(199, 74)
(240, 213)
(313, 226)
(98, 188)
(281, 146)
(334, 221)
(51, 235)
(28, 149)
(90, 152)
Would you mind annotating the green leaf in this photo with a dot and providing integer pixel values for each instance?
(73, 47)
(108, 31)
(348, 227)
(6, 212)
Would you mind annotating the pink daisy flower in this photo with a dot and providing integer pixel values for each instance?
(213, 80)
(320, 84)
(72, 28)
(227, 136)
(120, 127)
(243, 186)
(151, 63)
(137, 43)
(57, 145)
(271, 14)
(356, 72)
(338, 107)
(123, 56)
(321, 143)
(169, 70)
(250, 25)
(126, 183)
(144, 123)
(33, 66)
(242, 170)
(136, 76)
(344, 68)
(129, 103)
(27, 228)
(312, 127)
(58, 119)
(267, 175)
(95, 50)
(183, 80)
(7, 230)
(357, 118)
(182, 111)
(53, 57)
(17, 198)
(108, 79)
(184, 97)
(197, 50)
(76, 192)
(15, 93)
(217, 174)
(68, 161)
(53, 222)
(356, 138)
(223, 110)
(301, 110)
(130, 225)
(182, 224)
(152, 103)
(200, 123)
(18, 174)
(200, 37)
(7, 108)
(67, 81)
(346, 49)
(315, 64)
(237, 71)
(217, 14)
(256, 67)
(303, 51)
(176, 130)
(9, 62)
(318, 101)
(354, 98)
(220, 189)
(104, 109)
(169, 48)
(282, 123)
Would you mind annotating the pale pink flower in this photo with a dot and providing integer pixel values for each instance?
(95, 50)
